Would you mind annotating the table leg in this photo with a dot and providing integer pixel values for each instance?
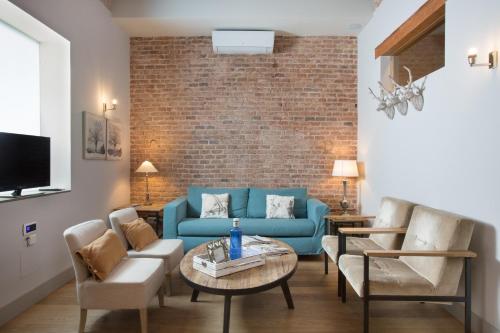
(288, 296)
(194, 295)
(227, 313)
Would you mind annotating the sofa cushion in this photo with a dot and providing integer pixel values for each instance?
(257, 201)
(238, 200)
(262, 227)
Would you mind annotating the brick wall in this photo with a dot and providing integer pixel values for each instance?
(275, 120)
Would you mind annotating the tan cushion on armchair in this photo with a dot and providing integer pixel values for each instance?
(139, 234)
(103, 254)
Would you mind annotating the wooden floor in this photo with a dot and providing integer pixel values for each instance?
(317, 309)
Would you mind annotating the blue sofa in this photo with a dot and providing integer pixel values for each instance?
(181, 218)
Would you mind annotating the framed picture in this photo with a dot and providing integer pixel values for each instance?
(217, 251)
(94, 136)
(114, 140)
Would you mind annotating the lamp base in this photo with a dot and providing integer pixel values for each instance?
(345, 205)
(148, 200)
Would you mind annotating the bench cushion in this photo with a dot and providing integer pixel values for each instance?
(170, 250)
(354, 245)
(262, 227)
(388, 276)
(131, 285)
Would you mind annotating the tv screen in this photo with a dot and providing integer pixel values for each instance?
(24, 162)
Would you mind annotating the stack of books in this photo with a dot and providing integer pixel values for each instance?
(264, 246)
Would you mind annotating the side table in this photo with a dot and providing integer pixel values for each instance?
(340, 220)
(154, 210)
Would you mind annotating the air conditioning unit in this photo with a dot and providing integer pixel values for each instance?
(242, 42)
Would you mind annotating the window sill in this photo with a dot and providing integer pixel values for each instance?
(32, 195)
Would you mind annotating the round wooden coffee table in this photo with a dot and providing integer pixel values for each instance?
(276, 272)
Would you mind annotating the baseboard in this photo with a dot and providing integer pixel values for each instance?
(32, 297)
(479, 325)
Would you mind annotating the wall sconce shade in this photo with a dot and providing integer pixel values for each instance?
(345, 168)
(492, 59)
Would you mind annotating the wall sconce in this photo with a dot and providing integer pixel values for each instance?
(105, 108)
(492, 59)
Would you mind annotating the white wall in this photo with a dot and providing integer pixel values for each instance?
(100, 68)
(448, 155)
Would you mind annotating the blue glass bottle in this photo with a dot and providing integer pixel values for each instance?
(235, 240)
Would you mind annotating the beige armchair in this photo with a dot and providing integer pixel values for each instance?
(427, 268)
(170, 251)
(131, 285)
(393, 213)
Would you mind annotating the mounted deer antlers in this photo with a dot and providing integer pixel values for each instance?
(398, 99)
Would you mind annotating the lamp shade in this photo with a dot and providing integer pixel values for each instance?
(146, 167)
(345, 168)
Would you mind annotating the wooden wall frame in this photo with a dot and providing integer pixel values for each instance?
(427, 17)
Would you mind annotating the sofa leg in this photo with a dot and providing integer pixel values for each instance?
(83, 320)
(366, 294)
(167, 286)
(468, 303)
(161, 296)
(343, 288)
(326, 262)
(366, 315)
(144, 320)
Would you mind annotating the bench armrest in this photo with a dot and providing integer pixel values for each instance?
(423, 253)
(174, 212)
(368, 231)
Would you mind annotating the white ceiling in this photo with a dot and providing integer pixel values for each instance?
(141, 18)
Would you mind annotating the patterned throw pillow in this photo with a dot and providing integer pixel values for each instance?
(214, 205)
(279, 207)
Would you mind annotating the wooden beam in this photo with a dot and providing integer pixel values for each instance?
(368, 231)
(423, 253)
(426, 18)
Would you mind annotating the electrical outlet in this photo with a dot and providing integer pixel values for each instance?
(29, 228)
(29, 233)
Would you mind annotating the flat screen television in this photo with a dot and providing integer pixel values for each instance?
(24, 162)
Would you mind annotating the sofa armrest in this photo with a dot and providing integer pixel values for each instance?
(173, 213)
(316, 211)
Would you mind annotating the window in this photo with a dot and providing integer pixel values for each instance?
(423, 57)
(19, 82)
(418, 45)
(35, 86)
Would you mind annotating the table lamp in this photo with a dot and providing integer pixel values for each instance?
(147, 168)
(345, 169)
